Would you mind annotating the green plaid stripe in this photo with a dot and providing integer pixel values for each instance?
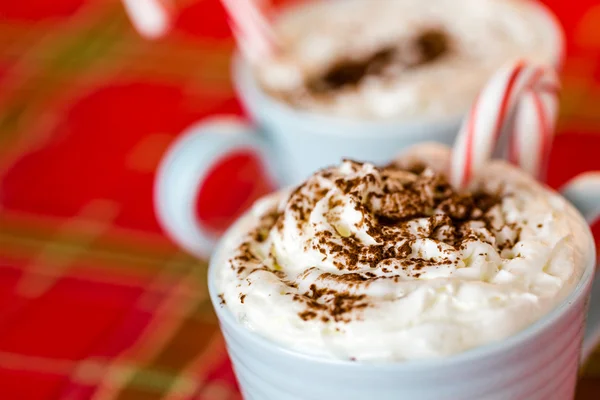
(137, 255)
(54, 257)
(169, 316)
(182, 339)
(51, 63)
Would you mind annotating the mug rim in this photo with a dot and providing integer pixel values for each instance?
(486, 350)
(247, 88)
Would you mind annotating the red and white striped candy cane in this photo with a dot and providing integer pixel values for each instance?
(151, 18)
(527, 92)
(536, 114)
(251, 27)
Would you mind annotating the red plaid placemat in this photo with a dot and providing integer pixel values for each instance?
(95, 303)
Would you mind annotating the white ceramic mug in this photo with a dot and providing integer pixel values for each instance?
(291, 143)
(538, 363)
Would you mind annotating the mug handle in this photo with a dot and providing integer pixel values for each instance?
(185, 166)
(583, 192)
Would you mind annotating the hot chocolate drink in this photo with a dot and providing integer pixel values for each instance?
(398, 59)
(392, 263)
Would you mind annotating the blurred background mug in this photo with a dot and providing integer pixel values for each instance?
(291, 144)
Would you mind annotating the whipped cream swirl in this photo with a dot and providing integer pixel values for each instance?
(391, 263)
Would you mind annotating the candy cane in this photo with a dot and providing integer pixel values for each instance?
(151, 18)
(537, 113)
(522, 90)
(251, 28)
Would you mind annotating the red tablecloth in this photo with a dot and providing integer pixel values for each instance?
(94, 301)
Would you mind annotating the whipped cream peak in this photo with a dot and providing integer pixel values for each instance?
(373, 263)
(380, 222)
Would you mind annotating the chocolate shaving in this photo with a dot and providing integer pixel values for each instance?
(351, 72)
(432, 44)
(425, 48)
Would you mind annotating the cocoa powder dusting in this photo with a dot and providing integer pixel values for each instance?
(422, 194)
(389, 201)
(308, 315)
